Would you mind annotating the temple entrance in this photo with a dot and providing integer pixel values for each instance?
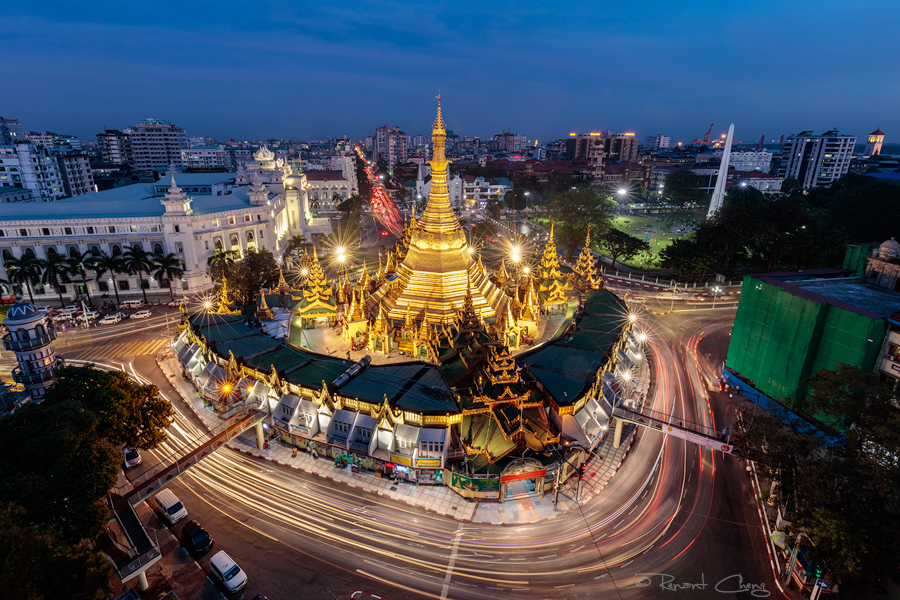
(522, 477)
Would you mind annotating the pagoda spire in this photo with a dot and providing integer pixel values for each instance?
(438, 216)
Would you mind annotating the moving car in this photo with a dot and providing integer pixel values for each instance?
(110, 319)
(194, 538)
(141, 314)
(89, 315)
(178, 302)
(63, 317)
(46, 308)
(132, 458)
(227, 572)
(69, 308)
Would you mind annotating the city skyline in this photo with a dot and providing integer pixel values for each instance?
(332, 72)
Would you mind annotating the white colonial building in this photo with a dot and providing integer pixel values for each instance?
(189, 215)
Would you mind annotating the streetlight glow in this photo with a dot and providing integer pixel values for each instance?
(622, 192)
(632, 317)
(304, 272)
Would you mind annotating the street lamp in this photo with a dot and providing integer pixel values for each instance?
(716, 290)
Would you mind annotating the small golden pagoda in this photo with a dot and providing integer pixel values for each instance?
(317, 299)
(552, 286)
(437, 267)
(585, 275)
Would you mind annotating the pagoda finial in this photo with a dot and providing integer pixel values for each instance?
(552, 222)
(587, 239)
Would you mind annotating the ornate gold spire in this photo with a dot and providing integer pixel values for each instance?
(438, 216)
(585, 270)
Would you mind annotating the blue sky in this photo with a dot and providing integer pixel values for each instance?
(292, 69)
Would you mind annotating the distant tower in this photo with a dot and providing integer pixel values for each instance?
(31, 336)
(876, 138)
(718, 196)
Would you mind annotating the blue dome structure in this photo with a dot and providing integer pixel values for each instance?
(21, 311)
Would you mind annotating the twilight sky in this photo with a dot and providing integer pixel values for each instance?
(544, 69)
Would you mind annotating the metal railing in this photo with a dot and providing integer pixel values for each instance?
(36, 377)
(15, 345)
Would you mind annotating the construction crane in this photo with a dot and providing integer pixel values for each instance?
(707, 136)
(760, 143)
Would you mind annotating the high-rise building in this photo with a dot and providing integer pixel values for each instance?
(748, 161)
(206, 157)
(620, 146)
(816, 160)
(579, 144)
(511, 142)
(11, 131)
(33, 168)
(115, 147)
(873, 147)
(75, 169)
(390, 146)
(657, 142)
(157, 143)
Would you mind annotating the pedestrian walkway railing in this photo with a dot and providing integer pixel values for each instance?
(153, 480)
(697, 433)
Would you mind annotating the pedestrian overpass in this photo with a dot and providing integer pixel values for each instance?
(674, 426)
(147, 484)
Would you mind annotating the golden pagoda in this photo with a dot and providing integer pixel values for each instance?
(552, 286)
(437, 267)
(317, 299)
(585, 275)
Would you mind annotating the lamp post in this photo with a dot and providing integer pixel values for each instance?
(716, 291)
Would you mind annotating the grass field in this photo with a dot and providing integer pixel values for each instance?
(658, 229)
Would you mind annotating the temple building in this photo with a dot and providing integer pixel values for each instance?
(470, 392)
(438, 265)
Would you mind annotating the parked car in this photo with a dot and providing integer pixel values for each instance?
(89, 315)
(58, 318)
(194, 538)
(70, 308)
(46, 308)
(110, 319)
(141, 314)
(178, 302)
(227, 572)
(131, 304)
(132, 458)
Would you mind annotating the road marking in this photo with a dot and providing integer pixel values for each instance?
(548, 556)
(617, 524)
(648, 549)
(628, 563)
(633, 508)
(517, 559)
(600, 537)
(563, 586)
(599, 576)
(446, 587)
(576, 549)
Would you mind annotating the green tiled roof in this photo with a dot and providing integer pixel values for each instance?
(281, 358)
(564, 387)
(247, 346)
(593, 341)
(608, 322)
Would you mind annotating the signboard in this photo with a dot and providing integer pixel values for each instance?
(698, 439)
(459, 480)
(822, 584)
(401, 460)
(429, 463)
(895, 367)
(520, 476)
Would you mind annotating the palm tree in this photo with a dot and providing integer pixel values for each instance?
(23, 272)
(78, 264)
(167, 267)
(54, 271)
(136, 261)
(222, 258)
(108, 264)
(296, 244)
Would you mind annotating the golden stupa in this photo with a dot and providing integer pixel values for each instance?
(440, 267)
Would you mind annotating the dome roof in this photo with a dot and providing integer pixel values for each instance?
(891, 244)
(21, 311)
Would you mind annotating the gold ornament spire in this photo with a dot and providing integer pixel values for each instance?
(438, 216)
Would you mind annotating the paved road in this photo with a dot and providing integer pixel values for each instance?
(674, 509)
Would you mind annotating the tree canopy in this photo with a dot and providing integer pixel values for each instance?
(842, 487)
(620, 244)
(575, 209)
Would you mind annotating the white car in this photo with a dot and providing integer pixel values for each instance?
(110, 319)
(62, 317)
(178, 302)
(46, 308)
(227, 572)
(71, 307)
(89, 315)
(141, 314)
(132, 458)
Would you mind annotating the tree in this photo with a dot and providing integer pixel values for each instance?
(128, 413)
(54, 267)
(109, 264)
(218, 265)
(790, 185)
(33, 565)
(516, 199)
(494, 207)
(136, 261)
(167, 268)
(618, 243)
(78, 264)
(575, 209)
(256, 270)
(24, 272)
(841, 488)
(296, 244)
(683, 186)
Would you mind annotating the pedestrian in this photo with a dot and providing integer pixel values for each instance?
(725, 433)
(294, 452)
(266, 445)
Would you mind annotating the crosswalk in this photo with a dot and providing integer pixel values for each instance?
(117, 351)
